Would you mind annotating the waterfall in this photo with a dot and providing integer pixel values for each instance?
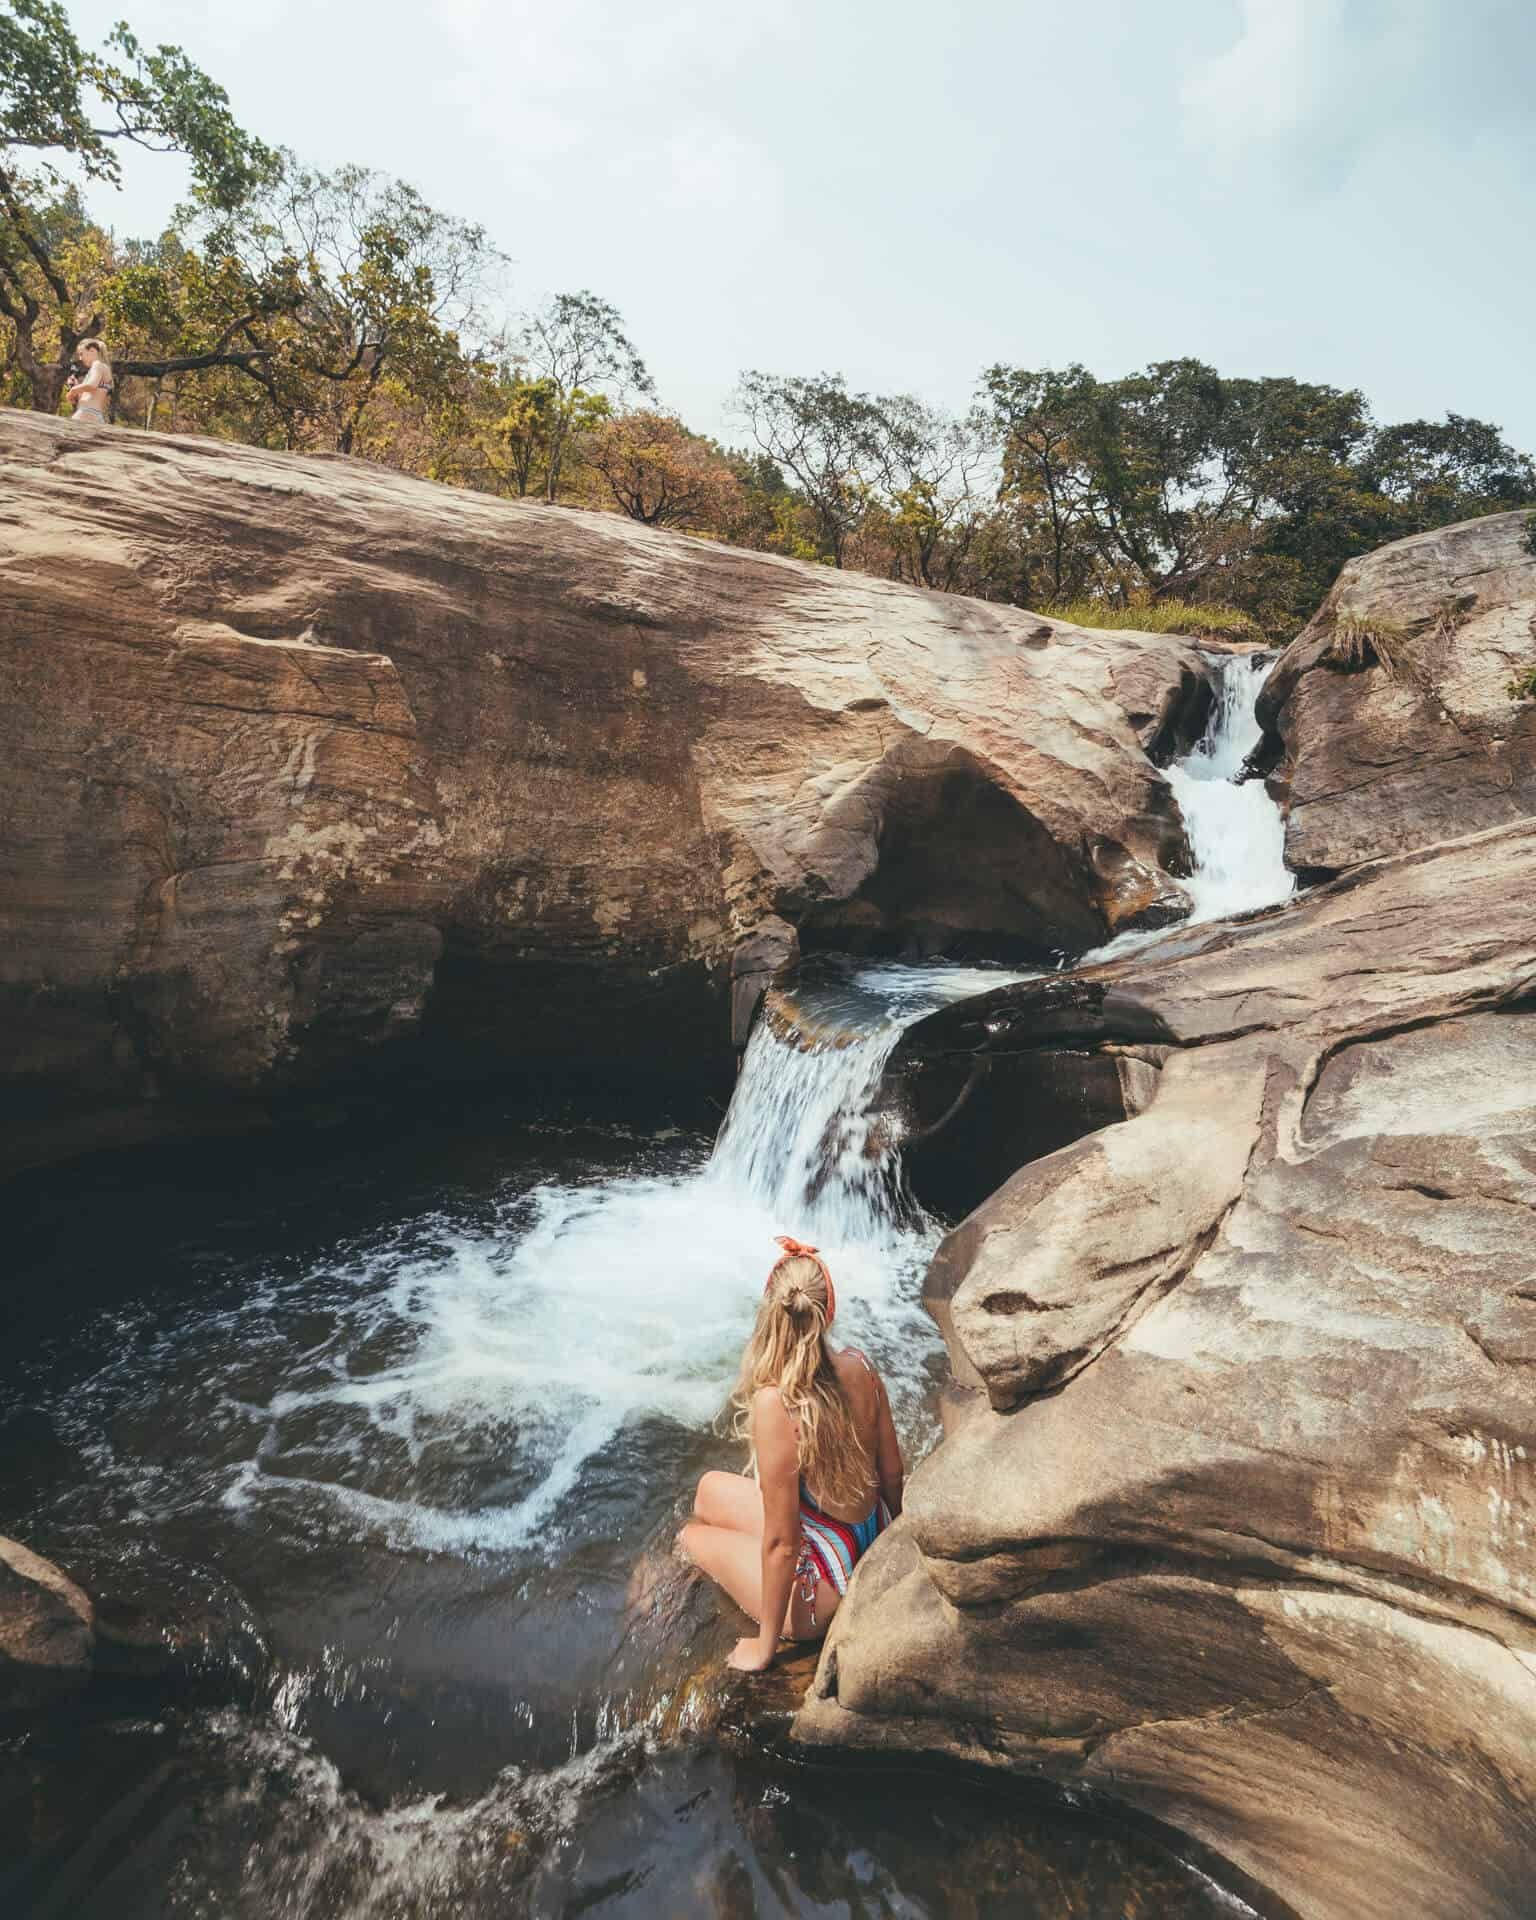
(801, 1138)
(594, 1308)
(1236, 833)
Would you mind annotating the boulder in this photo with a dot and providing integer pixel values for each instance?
(1391, 716)
(46, 1631)
(308, 768)
(1238, 1523)
(771, 949)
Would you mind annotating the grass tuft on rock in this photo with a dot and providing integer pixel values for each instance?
(1194, 617)
(1365, 640)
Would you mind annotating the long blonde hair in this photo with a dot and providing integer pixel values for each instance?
(788, 1350)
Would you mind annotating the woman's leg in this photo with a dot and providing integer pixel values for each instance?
(734, 1561)
(730, 1500)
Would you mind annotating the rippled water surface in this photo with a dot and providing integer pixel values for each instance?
(386, 1423)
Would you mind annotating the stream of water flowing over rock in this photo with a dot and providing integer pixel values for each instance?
(389, 1421)
(1236, 832)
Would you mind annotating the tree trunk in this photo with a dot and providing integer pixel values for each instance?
(45, 382)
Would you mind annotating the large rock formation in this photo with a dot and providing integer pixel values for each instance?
(1391, 713)
(303, 763)
(1239, 1523)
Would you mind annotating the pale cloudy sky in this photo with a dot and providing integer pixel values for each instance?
(1342, 190)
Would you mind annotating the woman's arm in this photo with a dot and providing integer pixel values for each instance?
(890, 1468)
(778, 1478)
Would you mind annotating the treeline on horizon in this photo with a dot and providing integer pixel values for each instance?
(302, 310)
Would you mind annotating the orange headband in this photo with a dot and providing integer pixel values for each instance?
(799, 1247)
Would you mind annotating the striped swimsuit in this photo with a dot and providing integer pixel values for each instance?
(831, 1549)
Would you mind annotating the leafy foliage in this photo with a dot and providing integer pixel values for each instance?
(578, 347)
(156, 99)
(302, 309)
(1180, 481)
(50, 89)
(660, 473)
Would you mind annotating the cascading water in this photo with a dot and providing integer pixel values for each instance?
(459, 1375)
(801, 1137)
(1236, 833)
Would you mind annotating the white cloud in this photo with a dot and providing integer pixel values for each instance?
(1267, 81)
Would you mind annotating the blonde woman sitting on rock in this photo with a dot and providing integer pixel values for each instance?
(92, 393)
(824, 1478)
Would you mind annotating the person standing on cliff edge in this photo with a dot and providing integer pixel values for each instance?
(92, 392)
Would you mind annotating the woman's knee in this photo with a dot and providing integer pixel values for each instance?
(713, 1490)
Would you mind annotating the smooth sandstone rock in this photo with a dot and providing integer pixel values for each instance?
(306, 766)
(1378, 761)
(1240, 1524)
(46, 1631)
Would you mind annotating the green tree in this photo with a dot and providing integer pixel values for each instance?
(1180, 483)
(520, 433)
(931, 468)
(578, 346)
(339, 282)
(1438, 470)
(831, 441)
(59, 99)
(1041, 423)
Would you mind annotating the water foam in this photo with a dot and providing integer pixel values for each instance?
(611, 1301)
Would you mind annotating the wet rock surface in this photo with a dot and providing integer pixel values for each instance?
(46, 1631)
(1239, 1519)
(315, 768)
(1391, 714)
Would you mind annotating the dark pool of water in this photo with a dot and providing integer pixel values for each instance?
(278, 1392)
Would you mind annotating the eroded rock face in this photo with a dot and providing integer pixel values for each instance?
(304, 764)
(46, 1631)
(1380, 758)
(1241, 1523)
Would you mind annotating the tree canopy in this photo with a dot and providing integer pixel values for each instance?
(304, 309)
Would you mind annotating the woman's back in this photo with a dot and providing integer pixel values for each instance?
(869, 1407)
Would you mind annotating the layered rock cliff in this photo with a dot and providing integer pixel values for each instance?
(305, 765)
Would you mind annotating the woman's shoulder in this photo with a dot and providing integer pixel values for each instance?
(775, 1440)
(769, 1410)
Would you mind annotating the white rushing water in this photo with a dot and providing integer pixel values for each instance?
(614, 1300)
(1236, 833)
